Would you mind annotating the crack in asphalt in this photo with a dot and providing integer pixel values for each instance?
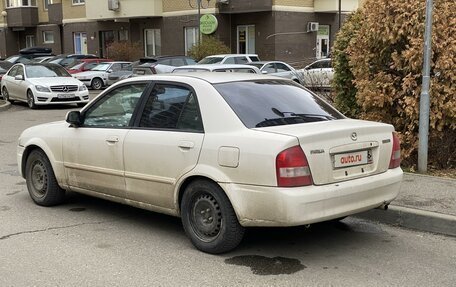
(51, 228)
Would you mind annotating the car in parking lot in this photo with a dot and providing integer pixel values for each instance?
(217, 68)
(318, 74)
(83, 65)
(224, 151)
(68, 60)
(161, 64)
(277, 68)
(230, 59)
(42, 84)
(97, 77)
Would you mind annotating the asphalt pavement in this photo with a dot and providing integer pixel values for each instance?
(425, 203)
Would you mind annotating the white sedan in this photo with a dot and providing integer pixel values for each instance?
(42, 84)
(224, 151)
(318, 74)
(97, 77)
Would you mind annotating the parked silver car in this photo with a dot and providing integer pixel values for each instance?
(277, 68)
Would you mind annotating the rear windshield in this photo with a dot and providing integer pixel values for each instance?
(264, 103)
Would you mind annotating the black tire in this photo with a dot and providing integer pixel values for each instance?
(31, 100)
(41, 183)
(97, 84)
(5, 95)
(209, 219)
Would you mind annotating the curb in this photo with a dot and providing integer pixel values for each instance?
(4, 105)
(413, 218)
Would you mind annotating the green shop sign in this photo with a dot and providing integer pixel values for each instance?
(208, 24)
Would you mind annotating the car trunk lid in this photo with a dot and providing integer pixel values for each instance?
(341, 150)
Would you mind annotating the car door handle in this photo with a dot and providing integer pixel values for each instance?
(186, 145)
(112, 139)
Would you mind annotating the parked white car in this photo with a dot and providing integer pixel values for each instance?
(319, 74)
(277, 68)
(218, 68)
(97, 77)
(224, 151)
(42, 84)
(230, 59)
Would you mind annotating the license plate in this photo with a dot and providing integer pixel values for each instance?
(65, 96)
(352, 158)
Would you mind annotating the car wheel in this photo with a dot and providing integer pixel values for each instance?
(30, 100)
(5, 95)
(41, 182)
(97, 84)
(209, 219)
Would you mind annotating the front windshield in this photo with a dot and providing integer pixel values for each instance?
(101, 67)
(41, 71)
(263, 103)
(211, 60)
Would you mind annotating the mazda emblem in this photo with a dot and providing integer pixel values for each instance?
(354, 136)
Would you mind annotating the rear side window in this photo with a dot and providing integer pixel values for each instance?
(171, 107)
(265, 103)
(254, 59)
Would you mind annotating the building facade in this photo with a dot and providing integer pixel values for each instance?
(296, 31)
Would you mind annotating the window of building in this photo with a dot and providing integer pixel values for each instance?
(20, 3)
(152, 42)
(29, 41)
(78, 2)
(80, 42)
(48, 37)
(123, 35)
(246, 39)
(191, 38)
(46, 4)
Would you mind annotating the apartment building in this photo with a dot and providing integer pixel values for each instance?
(288, 30)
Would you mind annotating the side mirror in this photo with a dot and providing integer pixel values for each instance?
(74, 118)
(264, 72)
(19, 78)
(110, 71)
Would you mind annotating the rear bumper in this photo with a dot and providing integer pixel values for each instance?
(274, 206)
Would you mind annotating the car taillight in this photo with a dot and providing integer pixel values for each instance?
(292, 168)
(396, 153)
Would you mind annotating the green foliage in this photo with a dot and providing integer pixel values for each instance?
(209, 46)
(124, 51)
(378, 62)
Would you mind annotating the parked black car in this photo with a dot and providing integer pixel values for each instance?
(68, 60)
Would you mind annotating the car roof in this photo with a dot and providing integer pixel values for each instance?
(213, 78)
(232, 55)
(214, 66)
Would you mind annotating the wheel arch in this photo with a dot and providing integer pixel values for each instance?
(40, 145)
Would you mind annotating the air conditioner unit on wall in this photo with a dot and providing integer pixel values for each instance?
(113, 5)
(312, 26)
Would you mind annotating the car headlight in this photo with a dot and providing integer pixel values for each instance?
(82, 88)
(42, 89)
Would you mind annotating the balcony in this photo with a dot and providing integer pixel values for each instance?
(55, 13)
(242, 6)
(21, 17)
(332, 6)
(105, 10)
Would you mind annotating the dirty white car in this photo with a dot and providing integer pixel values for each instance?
(224, 151)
